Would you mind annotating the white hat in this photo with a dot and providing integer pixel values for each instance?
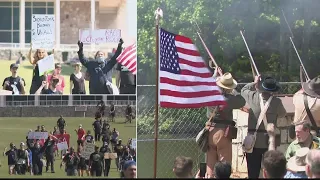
(297, 163)
(226, 81)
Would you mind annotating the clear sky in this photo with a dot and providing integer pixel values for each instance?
(132, 18)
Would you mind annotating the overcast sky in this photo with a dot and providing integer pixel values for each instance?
(132, 17)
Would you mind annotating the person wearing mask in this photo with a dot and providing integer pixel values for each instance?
(96, 162)
(107, 162)
(220, 133)
(98, 69)
(36, 78)
(14, 83)
(97, 126)
(257, 95)
(22, 160)
(37, 154)
(101, 107)
(52, 87)
(57, 73)
(126, 81)
(89, 138)
(61, 123)
(81, 133)
(182, 167)
(77, 81)
(119, 147)
(313, 164)
(112, 112)
(12, 158)
(49, 153)
(129, 114)
(71, 161)
(274, 165)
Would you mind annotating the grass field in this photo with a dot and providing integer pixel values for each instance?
(15, 130)
(25, 71)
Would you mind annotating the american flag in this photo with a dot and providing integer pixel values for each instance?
(128, 58)
(185, 80)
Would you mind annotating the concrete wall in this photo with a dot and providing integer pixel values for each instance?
(241, 118)
(54, 111)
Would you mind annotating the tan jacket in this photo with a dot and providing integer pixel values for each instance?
(299, 109)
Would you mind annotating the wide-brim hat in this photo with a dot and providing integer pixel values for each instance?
(297, 163)
(312, 88)
(226, 81)
(269, 84)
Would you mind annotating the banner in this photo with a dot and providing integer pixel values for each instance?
(46, 64)
(87, 150)
(60, 138)
(99, 36)
(62, 146)
(38, 135)
(42, 31)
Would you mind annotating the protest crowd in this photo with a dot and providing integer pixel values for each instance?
(42, 148)
(99, 73)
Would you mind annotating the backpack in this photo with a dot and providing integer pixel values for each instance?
(96, 158)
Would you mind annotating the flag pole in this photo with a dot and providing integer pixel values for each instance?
(158, 14)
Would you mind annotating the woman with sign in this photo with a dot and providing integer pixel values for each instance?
(98, 69)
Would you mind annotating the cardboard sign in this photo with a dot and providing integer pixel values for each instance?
(46, 64)
(110, 155)
(42, 31)
(99, 36)
(38, 135)
(88, 149)
(62, 146)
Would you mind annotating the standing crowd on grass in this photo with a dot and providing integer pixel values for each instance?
(99, 73)
(35, 154)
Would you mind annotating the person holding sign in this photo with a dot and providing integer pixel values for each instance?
(107, 162)
(98, 69)
(14, 83)
(36, 78)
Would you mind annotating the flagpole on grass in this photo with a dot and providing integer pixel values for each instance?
(158, 14)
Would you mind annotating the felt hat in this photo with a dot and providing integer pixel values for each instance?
(312, 88)
(269, 84)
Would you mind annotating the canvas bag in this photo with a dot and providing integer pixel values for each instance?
(203, 136)
(250, 140)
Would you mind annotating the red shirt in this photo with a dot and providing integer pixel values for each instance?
(81, 133)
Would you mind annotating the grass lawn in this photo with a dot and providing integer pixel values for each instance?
(15, 130)
(25, 71)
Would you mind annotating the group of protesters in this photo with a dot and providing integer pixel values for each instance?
(29, 157)
(99, 73)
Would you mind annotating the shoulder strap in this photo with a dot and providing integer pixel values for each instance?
(305, 101)
(264, 109)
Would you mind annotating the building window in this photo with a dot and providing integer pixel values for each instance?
(36, 8)
(10, 20)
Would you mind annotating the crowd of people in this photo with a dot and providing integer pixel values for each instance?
(259, 146)
(34, 154)
(99, 73)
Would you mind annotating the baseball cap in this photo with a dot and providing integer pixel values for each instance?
(14, 65)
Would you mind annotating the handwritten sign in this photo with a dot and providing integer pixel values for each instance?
(38, 135)
(134, 143)
(46, 64)
(42, 31)
(99, 36)
(62, 146)
(87, 150)
(110, 155)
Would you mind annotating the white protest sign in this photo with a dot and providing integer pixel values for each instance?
(62, 146)
(42, 31)
(46, 64)
(99, 36)
(38, 135)
(134, 143)
(87, 150)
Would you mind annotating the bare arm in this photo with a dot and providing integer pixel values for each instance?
(38, 92)
(31, 60)
(118, 79)
(71, 86)
(271, 133)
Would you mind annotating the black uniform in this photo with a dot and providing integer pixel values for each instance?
(37, 154)
(49, 153)
(97, 130)
(96, 160)
(107, 162)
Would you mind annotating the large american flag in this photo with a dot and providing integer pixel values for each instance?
(185, 80)
(128, 58)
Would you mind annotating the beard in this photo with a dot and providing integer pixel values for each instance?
(100, 59)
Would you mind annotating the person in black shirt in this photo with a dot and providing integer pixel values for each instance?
(43, 129)
(12, 158)
(96, 162)
(112, 112)
(37, 153)
(129, 114)
(101, 107)
(107, 162)
(61, 123)
(89, 138)
(22, 159)
(52, 87)
(49, 153)
(77, 85)
(98, 69)
(71, 160)
(97, 126)
(38, 129)
(119, 147)
(14, 83)
(126, 81)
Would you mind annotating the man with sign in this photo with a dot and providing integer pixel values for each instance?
(98, 69)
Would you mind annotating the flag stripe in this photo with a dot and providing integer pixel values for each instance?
(190, 63)
(183, 100)
(183, 89)
(202, 70)
(188, 94)
(188, 51)
(128, 58)
(186, 46)
(183, 39)
(191, 73)
(195, 59)
(186, 78)
(194, 105)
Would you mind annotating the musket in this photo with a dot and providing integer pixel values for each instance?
(251, 58)
(304, 69)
